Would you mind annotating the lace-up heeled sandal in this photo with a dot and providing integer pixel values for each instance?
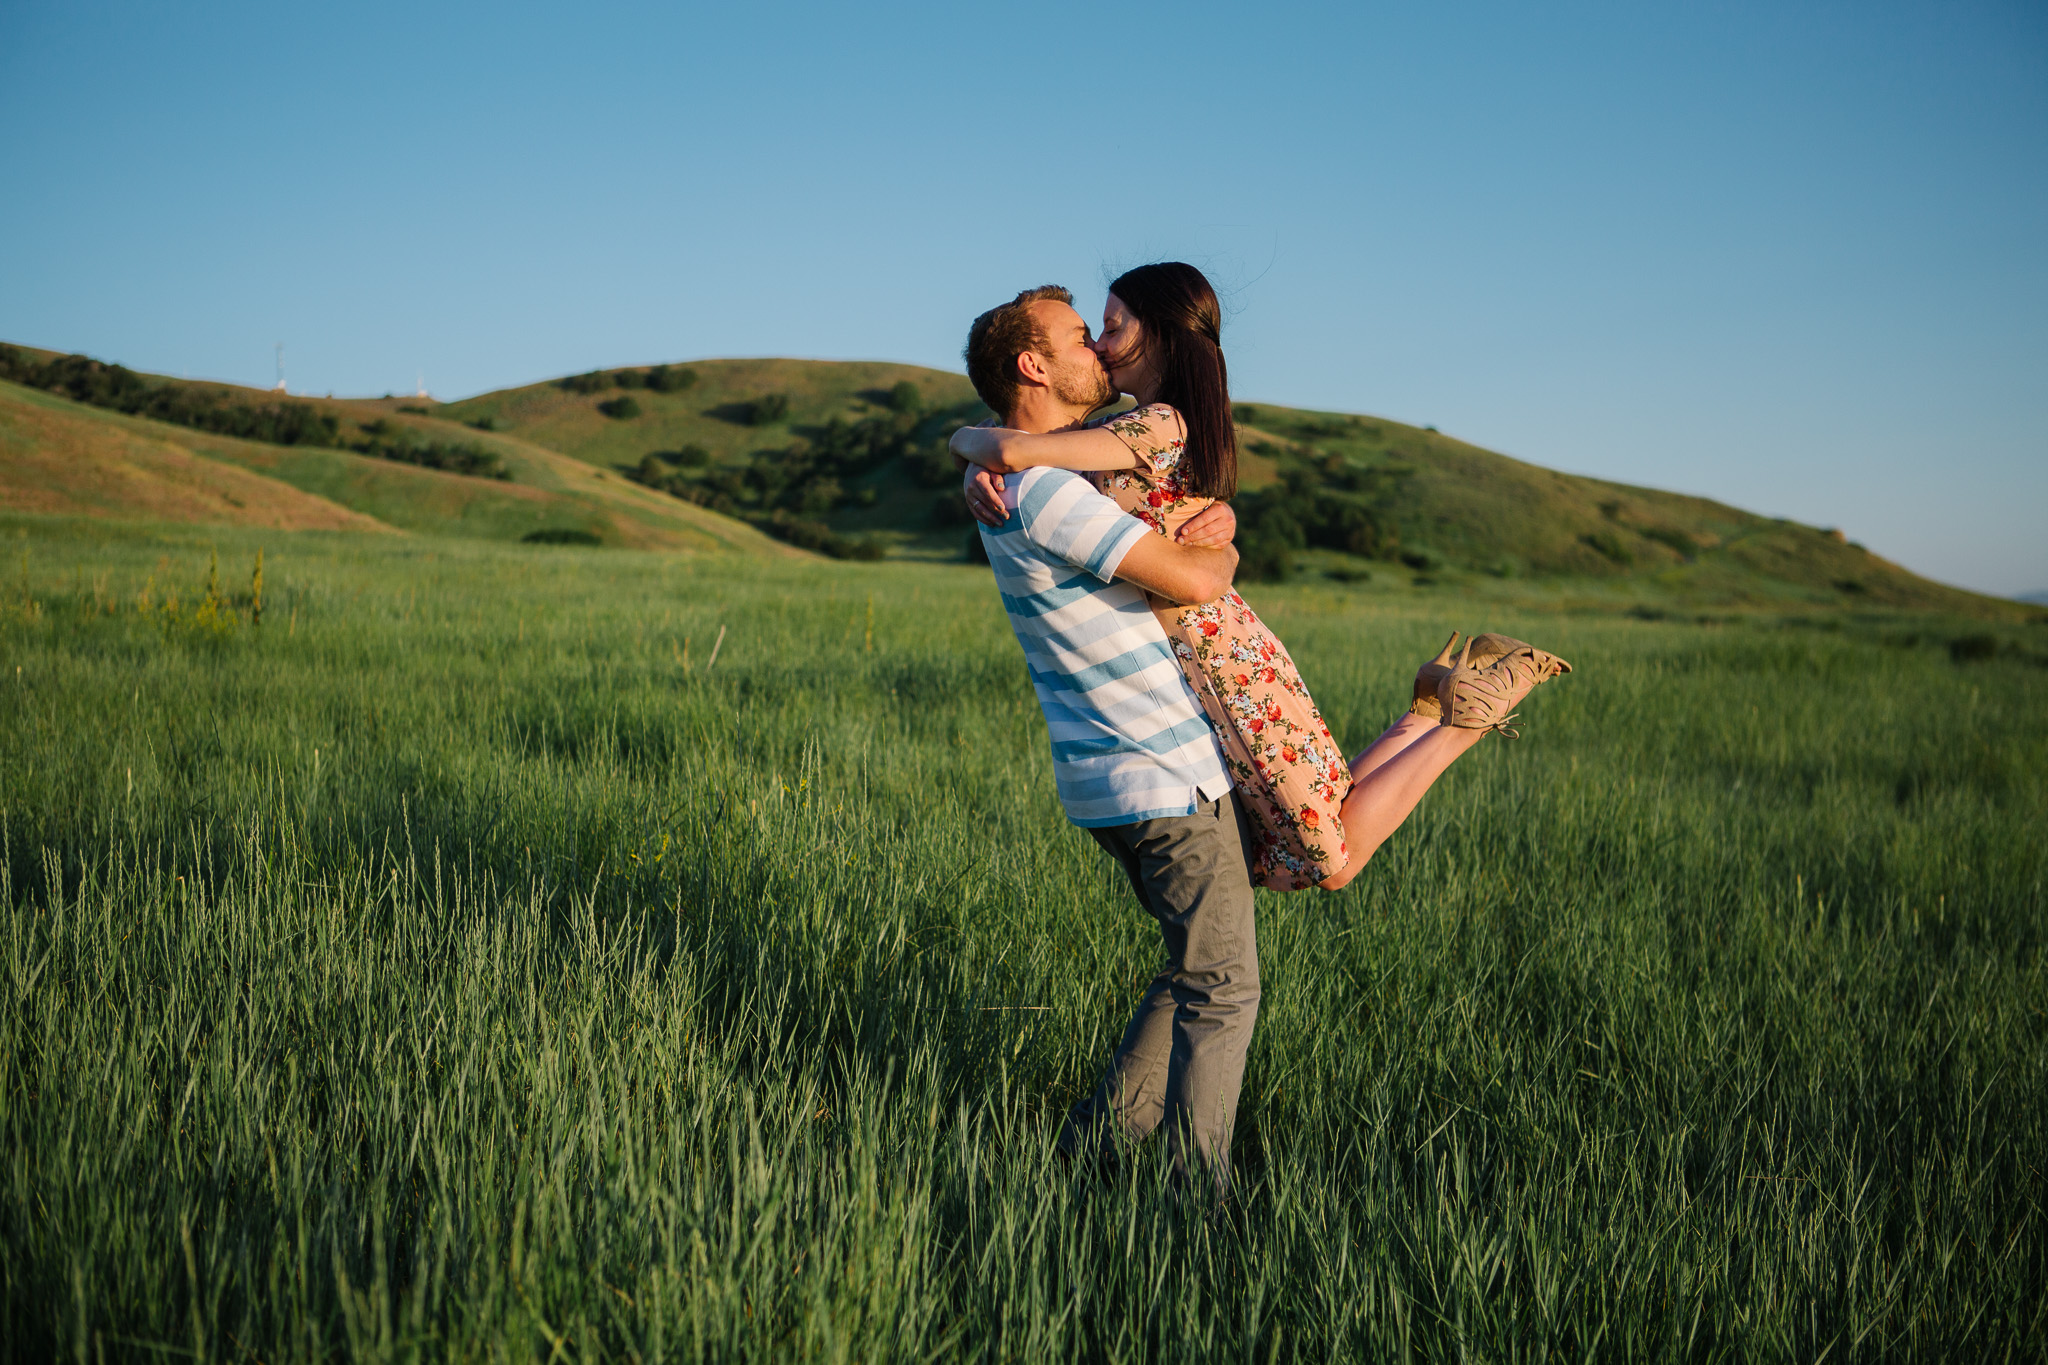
(1485, 647)
(1484, 698)
(1427, 677)
(1488, 647)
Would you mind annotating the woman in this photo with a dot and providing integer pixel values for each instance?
(1317, 819)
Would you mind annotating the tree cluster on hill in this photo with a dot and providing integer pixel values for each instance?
(85, 380)
(388, 441)
(278, 422)
(661, 378)
(785, 491)
(1322, 500)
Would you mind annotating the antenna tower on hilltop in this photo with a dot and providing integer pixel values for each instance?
(280, 367)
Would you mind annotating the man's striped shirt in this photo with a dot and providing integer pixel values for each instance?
(1129, 740)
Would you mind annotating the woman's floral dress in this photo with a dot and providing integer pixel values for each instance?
(1290, 774)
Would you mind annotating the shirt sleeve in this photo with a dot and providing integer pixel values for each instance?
(1062, 515)
(1155, 434)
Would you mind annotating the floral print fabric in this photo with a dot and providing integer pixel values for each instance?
(1290, 774)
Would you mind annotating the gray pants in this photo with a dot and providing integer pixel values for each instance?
(1181, 1061)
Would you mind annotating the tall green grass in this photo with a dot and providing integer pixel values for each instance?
(445, 969)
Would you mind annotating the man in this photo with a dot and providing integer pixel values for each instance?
(1135, 761)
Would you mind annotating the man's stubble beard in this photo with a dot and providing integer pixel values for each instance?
(1086, 389)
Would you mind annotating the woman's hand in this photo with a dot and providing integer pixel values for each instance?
(984, 494)
(1211, 528)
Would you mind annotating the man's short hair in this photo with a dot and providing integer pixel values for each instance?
(998, 337)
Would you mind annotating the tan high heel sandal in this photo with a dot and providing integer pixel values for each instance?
(1484, 698)
(1426, 679)
(1486, 648)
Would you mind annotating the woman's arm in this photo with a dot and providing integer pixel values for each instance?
(1005, 450)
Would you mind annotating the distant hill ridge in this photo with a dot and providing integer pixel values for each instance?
(848, 458)
(1340, 494)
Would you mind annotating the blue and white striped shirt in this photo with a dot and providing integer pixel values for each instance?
(1129, 740)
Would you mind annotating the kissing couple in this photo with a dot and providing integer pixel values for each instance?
(1183, 738)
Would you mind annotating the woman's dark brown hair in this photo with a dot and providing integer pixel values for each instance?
(1182, 323)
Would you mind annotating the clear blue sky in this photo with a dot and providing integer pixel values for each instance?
(1793, 256)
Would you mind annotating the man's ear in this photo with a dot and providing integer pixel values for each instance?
(1032, 370)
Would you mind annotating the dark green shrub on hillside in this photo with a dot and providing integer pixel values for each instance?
(85, 380)
(1280, 526)
(818, 537)
(905, 397)
(386, 440)
(819, 496)
(786, 491)
(1322, 502)
(769, 407)
(629, 379)
(623, 408)
(559, 535)
(671, 378)
(1264, 558)
(1608, 545)
(1973, 649)
(414, 409)
(932, 464)
(1673, 538)
(487, 424)
(597, 381)
(950, 509)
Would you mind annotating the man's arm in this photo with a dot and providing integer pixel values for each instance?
(1183, 574)
(1062, 516)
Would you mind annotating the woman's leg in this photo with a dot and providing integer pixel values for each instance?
(1391, 788)
(1392, 741)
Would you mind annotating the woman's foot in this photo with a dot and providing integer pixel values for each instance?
(1471, 697)
(1426, 679)
(1485, 649)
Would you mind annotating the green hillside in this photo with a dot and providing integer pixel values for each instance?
(1362, 500)
(856, 448)
(1349, 495)
(64, 456)
(848, 458)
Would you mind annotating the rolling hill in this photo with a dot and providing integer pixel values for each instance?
(848, 457)
(1440, 507)
(61, 456)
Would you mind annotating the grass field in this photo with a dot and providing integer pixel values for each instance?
(459, 963)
